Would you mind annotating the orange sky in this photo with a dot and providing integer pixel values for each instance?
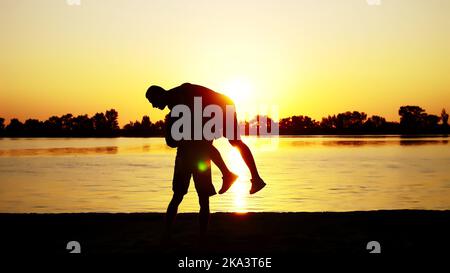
(308, 57)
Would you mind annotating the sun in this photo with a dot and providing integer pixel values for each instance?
(240, 90)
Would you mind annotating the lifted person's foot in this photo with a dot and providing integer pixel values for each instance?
(257, 185)
(228, 180)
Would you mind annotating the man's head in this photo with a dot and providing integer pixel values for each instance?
(156, 95)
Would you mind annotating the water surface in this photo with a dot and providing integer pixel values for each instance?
(303, 174)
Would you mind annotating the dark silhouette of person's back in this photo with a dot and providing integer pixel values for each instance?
(184, 95)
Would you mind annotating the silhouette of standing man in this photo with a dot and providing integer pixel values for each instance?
(193, 156)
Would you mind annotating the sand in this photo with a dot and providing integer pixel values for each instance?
(254, 234)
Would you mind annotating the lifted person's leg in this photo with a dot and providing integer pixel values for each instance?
(244, 150)
(228, 177)
(233, 137)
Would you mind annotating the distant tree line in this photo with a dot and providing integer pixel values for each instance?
(413, 120)
(99, 125)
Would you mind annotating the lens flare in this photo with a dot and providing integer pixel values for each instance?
(202, 166)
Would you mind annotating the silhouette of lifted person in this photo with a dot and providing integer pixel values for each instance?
(184, 94)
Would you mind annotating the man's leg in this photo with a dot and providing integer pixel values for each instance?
(180, 185)
(227, 176)
(205, 188)
(244, 150)
(172, 210)
(204, 214)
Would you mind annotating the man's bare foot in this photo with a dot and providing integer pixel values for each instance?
(228, 180)
(257, 185)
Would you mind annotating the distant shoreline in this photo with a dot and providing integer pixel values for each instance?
(413, 120)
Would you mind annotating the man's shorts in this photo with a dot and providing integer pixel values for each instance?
(193, 160)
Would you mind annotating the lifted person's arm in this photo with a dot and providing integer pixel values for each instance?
(168, 122)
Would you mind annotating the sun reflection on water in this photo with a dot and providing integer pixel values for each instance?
(240, 189)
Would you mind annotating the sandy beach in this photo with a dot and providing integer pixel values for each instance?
(262, 234)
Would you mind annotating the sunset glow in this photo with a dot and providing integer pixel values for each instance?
(225, 135)
(309, 57)
(240, 90)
